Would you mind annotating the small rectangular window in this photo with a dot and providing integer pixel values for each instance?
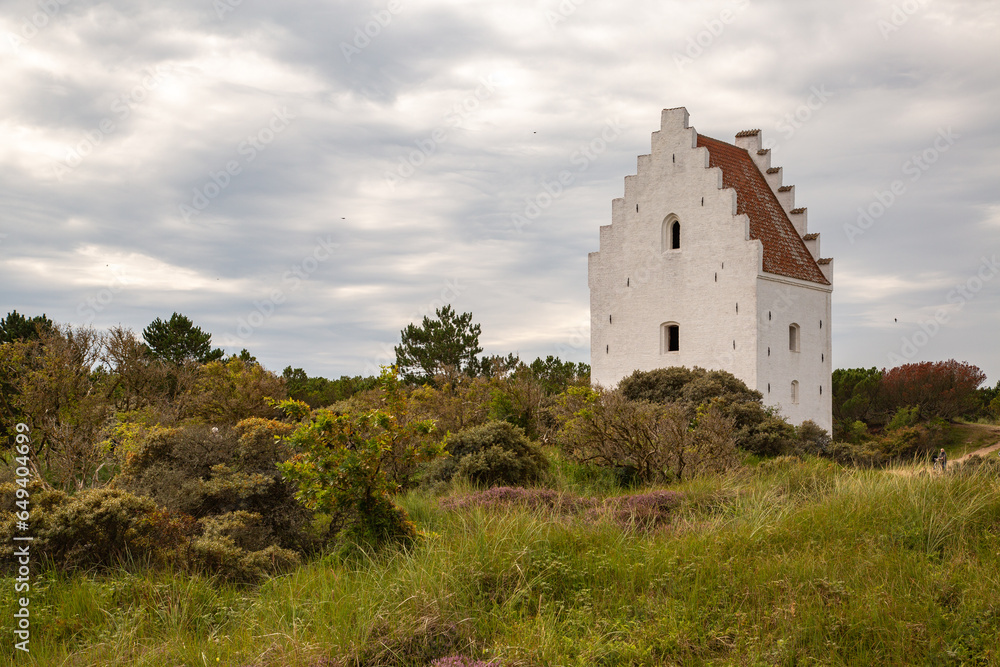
(670, 337)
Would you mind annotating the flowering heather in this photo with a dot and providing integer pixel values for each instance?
(462, 661)
(643, 509)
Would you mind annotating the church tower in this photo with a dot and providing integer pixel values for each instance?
(707, 262)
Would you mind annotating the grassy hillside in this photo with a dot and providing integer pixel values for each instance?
(789, 562)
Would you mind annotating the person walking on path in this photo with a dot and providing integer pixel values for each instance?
(942, 459)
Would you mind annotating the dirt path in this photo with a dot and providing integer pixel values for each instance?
(985, 451)
(982, 451)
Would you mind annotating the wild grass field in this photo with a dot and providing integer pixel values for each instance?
(787, 562)
(181, 507)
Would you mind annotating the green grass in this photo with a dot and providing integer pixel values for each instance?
(786, 563)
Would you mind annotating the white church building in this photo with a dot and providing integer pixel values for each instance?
(708, 262)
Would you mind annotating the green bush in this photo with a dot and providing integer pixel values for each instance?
(811, 438)
(758, 429)
(109, 528)
(857, 432)
(906, 442)
(230, 547)
(898, 445)
(346, 465)
(384, 523)
(861, 453)
(97, 527)
(662, 385)
(494, 454)
(208, 471)
(905, 416)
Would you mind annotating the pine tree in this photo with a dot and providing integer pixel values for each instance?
(179, 340)
(446, 344)
(16, 327)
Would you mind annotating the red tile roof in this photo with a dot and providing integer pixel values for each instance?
(785, 254)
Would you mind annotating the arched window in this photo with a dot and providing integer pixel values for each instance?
(795, 391)
(793, 337)
(670, 337)
(670, 233)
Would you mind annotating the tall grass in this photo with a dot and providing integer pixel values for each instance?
(791, 562)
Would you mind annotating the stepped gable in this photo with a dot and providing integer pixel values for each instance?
(785, 254)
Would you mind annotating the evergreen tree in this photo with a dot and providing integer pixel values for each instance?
(179, 340)
(446, 344)
(16, 327)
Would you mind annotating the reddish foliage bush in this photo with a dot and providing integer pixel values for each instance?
(944, 389)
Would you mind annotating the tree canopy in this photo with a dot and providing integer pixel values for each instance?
(16, 327)
(448, 343)
(179, 340)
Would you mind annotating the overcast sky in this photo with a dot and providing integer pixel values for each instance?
(304, 179)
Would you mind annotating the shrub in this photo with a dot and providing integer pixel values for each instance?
(112, 528)
(378, 521)
(859, 453)
(662, 385)
(100, 527)
(455, 403)
(811, 438)
(758, 429)
(96, 527)
(994, 408)
(643, 510)
(234, 390)
(902, 444)
(905, 442)
(230, 548)
(340, 467)
(49, 383)
(761, 430)
(496, 465)
(656, 442)
(496, 453)
(208, 471)
(857, 432)
(904, 417)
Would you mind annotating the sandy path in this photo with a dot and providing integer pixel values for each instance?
(910, 471)
(985, 451)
